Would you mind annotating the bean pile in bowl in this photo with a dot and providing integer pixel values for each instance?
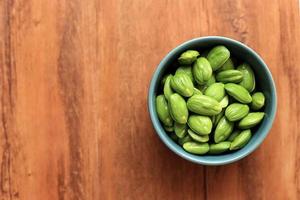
(209, 104)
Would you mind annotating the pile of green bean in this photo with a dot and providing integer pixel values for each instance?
(209, 105)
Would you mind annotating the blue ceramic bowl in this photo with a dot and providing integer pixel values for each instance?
(264, 83)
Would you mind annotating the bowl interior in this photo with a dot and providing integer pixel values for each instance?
(264, 83)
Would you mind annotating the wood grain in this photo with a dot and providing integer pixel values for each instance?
(74, 77)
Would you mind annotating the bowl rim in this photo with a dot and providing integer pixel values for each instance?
(198, 158)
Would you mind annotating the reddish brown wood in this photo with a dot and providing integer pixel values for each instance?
(74, 77)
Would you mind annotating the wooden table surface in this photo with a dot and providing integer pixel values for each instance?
(74, 77)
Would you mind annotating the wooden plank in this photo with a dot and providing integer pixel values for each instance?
(134, 163)
(49, 116)
(272, 171)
